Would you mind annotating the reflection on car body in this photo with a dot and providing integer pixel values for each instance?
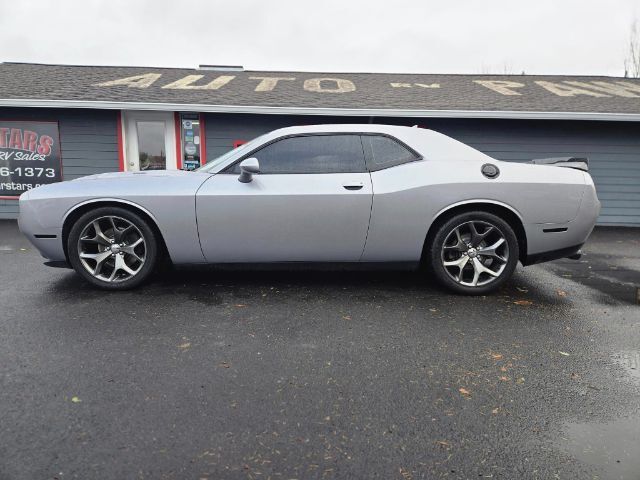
(324, 193)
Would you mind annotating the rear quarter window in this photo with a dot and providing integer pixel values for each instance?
(385, 152)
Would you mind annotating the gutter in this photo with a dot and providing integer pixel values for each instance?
(326, 111)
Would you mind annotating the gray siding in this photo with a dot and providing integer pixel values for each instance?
(613, 149)
(88, 140)
(89, 145)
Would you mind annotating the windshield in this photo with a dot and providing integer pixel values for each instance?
(222, 159)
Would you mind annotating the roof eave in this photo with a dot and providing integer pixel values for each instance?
(326, 111)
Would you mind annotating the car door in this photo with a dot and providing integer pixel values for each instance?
(311, 202)
(398, 176)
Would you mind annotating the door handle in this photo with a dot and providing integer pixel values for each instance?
(353, 186)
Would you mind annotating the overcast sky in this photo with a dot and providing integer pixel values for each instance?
(418, 36)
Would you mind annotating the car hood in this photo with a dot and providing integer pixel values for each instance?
(137, 175)
(122, 185)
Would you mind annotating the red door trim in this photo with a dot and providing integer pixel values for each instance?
(203, 141)
(176, 121)
(120, 141)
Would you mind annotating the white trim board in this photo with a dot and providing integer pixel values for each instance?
(326, 111)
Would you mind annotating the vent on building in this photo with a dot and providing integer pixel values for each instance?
(222, 68)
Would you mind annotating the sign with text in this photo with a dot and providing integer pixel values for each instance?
(190, 140)
(29, 156)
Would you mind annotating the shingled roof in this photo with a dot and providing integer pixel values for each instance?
(379, 94)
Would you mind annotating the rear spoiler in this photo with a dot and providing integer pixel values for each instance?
(579, 163)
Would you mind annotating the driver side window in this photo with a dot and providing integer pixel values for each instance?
(310, 154)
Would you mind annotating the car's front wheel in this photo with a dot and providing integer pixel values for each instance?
(473, 253)
(112, 248)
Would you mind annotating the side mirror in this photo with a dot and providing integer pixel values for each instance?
(248, 167)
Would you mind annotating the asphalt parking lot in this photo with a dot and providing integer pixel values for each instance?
(210, 374)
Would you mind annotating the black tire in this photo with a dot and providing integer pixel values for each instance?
(142, 260)
(437, 255)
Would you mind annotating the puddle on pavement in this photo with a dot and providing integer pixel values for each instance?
(630, 361)
(612, 448)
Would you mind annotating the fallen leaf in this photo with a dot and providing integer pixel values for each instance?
(75, 400)
(444, 443)
(346, 317)
(561, 293)
(496, 356)
(405, 474)
(464, 391)
(523, 302)
(520, 381)
(495, 411)
(564, 353)
(185, 345)
(504, 379)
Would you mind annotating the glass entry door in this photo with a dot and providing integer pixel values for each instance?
(150, 141)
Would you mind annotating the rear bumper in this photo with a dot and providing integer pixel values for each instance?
(552, 255)
(550, 241)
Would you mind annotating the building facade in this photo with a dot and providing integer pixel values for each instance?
(63, 122)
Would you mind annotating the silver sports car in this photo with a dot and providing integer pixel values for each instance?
(324, 193)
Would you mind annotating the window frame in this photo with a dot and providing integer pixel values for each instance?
(368, 162)
(371, 165)
(229, 168)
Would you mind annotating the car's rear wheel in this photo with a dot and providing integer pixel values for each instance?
(112, 248)
(473, 253)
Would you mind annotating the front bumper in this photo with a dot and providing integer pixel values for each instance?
(46, 239)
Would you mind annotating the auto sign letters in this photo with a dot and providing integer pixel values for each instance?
(29, 156)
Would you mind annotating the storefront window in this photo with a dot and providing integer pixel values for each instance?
(151, 146)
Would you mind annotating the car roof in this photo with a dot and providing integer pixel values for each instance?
(429, 143)
(344, 128)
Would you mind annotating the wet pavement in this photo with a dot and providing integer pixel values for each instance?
(211, 374)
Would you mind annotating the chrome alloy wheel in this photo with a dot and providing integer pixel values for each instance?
(112, 249)
(475, 253)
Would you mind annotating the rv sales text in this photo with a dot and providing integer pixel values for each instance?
(22, 156)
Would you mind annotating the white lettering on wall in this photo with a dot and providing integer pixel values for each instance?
(409, 85)
(621, 89)
(503, 87)
(268, 84)
(567, 90)
(340, 85)
(562, 88)
(137, 81)
(187, 83)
